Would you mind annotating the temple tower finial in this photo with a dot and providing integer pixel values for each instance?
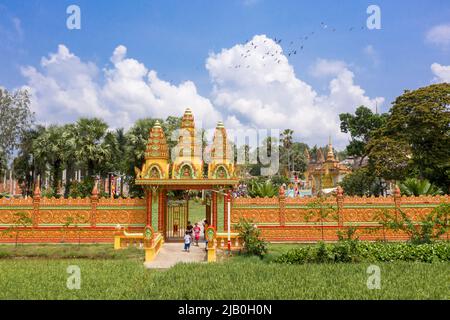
(330, 154)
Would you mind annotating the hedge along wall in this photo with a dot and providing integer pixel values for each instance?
(285, 219)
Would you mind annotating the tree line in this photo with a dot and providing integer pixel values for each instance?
(410, 141)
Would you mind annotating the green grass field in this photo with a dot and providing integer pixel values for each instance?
(106, 274)
(197, 211)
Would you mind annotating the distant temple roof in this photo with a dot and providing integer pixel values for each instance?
(330, 154)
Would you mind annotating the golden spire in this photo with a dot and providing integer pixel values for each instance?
(319, 156)
(187, 122)
(220, 125)
(221, 164)
(157, 144)
(307, 155)
(220, 147)
(330, 154)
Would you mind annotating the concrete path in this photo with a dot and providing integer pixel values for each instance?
(173, 253)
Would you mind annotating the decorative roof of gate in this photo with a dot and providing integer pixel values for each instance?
(187, 168)
(157, 144)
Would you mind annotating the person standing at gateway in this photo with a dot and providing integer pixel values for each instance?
(189, 230)
(187, 242)
(197, 231)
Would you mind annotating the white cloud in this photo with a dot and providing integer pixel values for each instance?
(268, 94)
(67, 88)
(442, 73)
(327, 68)
(263, 92)
(439, 35)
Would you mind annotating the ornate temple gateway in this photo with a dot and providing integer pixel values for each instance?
(186, 172)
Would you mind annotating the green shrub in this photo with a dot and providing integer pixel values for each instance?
(81, 189)
(262, 189)
(323, 254)
(355, 251)
(432, 227)
(299, 255)
(253, 243)
(417, 187)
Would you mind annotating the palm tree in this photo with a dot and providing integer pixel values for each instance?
(91, 148)
(51, 146)
(69, 156)
(417, 187)
(286, 139)
(137, 138)
(26, 166)
(119, 155)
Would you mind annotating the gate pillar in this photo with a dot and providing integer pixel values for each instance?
(149, 208)
(161, 211)
(214, 209)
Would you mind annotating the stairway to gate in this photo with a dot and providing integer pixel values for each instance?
(172, 253)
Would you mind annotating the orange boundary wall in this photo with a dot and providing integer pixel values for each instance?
(94, 219)
(284, 219)
(280, 219)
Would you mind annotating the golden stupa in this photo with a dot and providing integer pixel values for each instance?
(187, 161)
(221, 165)
(156, 164)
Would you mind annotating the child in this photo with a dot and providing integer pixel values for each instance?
(187, 242)
(197, 230)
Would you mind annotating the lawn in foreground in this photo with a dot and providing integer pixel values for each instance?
(243, 278)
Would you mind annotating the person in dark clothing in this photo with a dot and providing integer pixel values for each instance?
(190, 230)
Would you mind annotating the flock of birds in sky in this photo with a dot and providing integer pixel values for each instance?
(294, 47)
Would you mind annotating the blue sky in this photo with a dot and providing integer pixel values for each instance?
(175, 39)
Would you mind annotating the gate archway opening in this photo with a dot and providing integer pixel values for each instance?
(170, 215)
(185, 171)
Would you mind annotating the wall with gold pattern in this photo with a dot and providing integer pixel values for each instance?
(69, 220)
(290, 219)
(94, 220)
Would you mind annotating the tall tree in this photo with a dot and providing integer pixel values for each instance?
(419, 123)
(362, 182)
(54, 148)
(26, 166)
(286, 140)
(361, 127)
(422, 118)
(91, 148)
(389, 158)
(69, 154)
(299, 161)
(15, 119)
(137, 138)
